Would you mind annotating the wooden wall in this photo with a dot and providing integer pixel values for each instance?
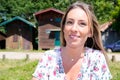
(46, 21)
(19, 36)
(45, 41)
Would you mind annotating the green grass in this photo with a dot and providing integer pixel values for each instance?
(22, 69)
(115, 70)
(17, 69)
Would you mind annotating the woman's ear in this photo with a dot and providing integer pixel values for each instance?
(90, 34)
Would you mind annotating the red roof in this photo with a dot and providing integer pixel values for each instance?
(47, 10)
(106, 25)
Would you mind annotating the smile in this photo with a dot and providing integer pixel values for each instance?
(74, 36)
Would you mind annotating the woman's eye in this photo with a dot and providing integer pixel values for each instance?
(82, 24)
(69, 22)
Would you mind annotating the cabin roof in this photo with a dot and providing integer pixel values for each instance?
(17, 18)
(47, 10)
(106, 25)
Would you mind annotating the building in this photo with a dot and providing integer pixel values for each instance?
(20, 34)
(2, 40)
(48, 21)
(109, 35)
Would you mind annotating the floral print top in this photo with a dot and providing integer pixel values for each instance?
(94, 66)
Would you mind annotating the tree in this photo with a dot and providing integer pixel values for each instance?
(105, 10)
(116, 15)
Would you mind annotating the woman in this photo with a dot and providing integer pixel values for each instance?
(81, 56)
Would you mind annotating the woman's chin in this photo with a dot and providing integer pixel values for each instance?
(73, 45)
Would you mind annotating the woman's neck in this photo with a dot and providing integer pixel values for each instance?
(74, 52)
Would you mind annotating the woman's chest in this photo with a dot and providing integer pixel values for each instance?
(81, 71)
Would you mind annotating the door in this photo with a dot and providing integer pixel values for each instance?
(57, 38)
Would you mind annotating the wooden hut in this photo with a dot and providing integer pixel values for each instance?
(48, 27)
(109, 35)
(20, 33)
(2, 40)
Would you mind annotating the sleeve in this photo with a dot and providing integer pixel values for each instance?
(41, 70)
(100, 69)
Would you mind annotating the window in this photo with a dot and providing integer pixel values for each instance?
(58, 20)
(52, 35)
(15, 38)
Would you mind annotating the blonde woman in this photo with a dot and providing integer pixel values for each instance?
(81, 55)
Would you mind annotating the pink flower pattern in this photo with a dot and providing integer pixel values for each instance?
(40, 75)
(94, 66)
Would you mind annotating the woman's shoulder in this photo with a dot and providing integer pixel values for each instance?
(91, 50)
(93, 53)
(96, 57)
(52, 53)
(49, 57)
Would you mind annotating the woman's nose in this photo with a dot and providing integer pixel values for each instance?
(74, 27)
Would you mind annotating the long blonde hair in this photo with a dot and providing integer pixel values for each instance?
(95, 41)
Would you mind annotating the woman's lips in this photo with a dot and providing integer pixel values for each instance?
(74, 36)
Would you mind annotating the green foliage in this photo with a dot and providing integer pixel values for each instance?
(105, 10)
(116, 16)
(2, 29)
(102, 10)
(26, 8)
(115, 12)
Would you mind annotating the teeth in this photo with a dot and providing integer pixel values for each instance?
(73, 36)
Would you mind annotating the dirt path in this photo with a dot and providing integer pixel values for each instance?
(117, 56)
(33, 55)
(20, 55)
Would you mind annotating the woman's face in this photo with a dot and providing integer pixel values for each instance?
(77, 28)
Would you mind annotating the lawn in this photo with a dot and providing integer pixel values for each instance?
(22, 69)
(115, 70)
(17, 69)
